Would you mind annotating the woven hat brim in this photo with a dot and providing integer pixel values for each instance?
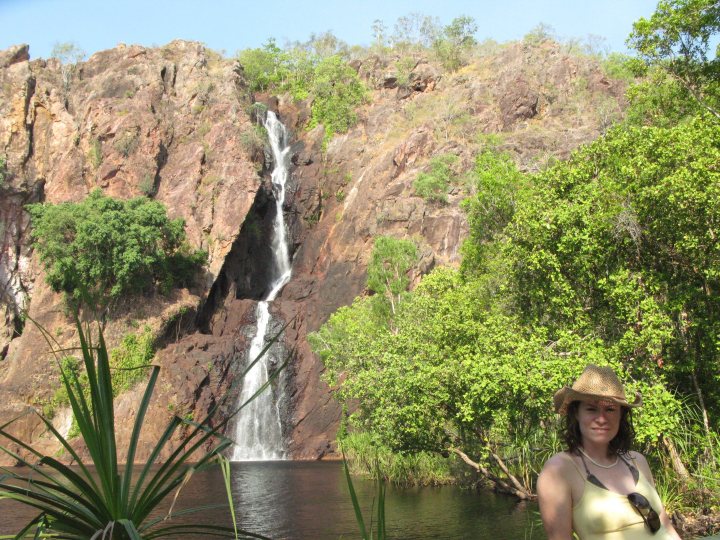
(567, 395)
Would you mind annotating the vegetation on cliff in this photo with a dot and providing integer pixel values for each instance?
(611, 257)
(319, 69)
(327, 80)
(100, 249)
(99, 498)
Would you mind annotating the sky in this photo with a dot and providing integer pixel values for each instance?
(228, 26)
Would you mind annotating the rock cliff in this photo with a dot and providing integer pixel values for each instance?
(176, 123)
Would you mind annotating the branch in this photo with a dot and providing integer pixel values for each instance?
(695, 94)
(499, 482)
(515, 482)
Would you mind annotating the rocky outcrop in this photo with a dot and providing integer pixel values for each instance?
(173, 123)
(169, 123)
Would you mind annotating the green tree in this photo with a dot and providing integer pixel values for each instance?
(496, 186)
(415, 30)
(337, 91)
(264, 67)
(610, 258)
(454, 41)
(69, 55)
(620, 242)
(390, 262)
(323, 45)
(539, 34)
(450, 377)
(102, 248)
(380, 37)
(312, 70)
(678, 37)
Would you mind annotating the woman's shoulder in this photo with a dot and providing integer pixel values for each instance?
(561, 473)
(560, 462)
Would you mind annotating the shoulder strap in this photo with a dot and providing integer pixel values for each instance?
(633, 468)
(590, 476)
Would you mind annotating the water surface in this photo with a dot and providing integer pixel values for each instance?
(288, 500)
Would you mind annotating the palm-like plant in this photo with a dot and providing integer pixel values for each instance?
(98, 500)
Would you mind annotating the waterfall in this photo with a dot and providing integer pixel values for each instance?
(258, 431)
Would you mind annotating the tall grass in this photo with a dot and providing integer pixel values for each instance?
(365, 456)
(700, 453)
(97, 499)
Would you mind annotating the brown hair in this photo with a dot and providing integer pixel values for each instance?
(620, 444)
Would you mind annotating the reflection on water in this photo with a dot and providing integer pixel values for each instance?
(299, 501)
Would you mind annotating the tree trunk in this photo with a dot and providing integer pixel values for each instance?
(515, 482)
(500, 483)
(677, 463)
(701, 401)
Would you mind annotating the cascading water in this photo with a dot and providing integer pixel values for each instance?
(258, 431)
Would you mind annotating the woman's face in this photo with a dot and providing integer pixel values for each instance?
(599, 422)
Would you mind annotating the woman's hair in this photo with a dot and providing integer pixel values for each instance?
(620, 444)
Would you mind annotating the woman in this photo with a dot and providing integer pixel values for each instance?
(598, 488)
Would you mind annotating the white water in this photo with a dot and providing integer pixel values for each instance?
(258, 431)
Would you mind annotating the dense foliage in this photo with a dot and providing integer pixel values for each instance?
(102, 248)
(336, 92)
(611, 257)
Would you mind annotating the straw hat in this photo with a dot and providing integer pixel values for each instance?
(594, 383)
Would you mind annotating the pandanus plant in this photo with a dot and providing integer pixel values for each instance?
(97, 498)
(377, 510)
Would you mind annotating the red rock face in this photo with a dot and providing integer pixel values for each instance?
(173, 123)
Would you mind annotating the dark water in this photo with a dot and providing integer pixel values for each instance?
(296, 500)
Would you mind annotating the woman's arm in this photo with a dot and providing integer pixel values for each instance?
(555, 499)
(664, 518)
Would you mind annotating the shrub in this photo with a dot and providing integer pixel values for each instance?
(129, 358)
(433, 185)
(95, 153)
(620, 66)
(147, 185)
(253, 139)
(539, 34)
(404, 67)
(128, 142)
(102, 248)
(307, 71)
(363, 452)
(264, 67)
(3, 171)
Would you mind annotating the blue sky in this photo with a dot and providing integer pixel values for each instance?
(231, 25)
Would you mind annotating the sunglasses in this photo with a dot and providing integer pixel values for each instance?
(650, 516)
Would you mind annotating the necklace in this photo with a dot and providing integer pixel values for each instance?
(617, 458)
